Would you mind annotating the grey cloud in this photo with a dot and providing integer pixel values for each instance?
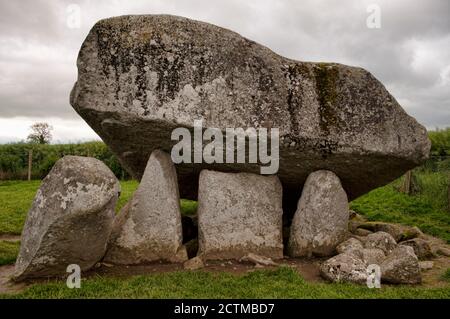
(408, 54)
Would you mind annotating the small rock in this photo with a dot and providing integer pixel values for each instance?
(444, 251)
(354, 216)
(345, 267)
(362, 232)
(348, 245)
(258, 260)
(373, 255)
(398, 232)
(380, 240)
(401, 266)
(193, 263)
(421, 247)
(426, 265)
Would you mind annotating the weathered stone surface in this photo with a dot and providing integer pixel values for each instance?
(141, 76)
(426, 265)
(349, 244)
(345, 267)
(398, 232)
(239, 213)
(444, 251)
(373, 255)
(149, 227)
(258, 260)
(421, 247)
(401, 266)
(70, 219)
(321, 220)
(362, 232)
(380, 240)
(193, 263)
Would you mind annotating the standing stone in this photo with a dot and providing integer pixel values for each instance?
(70, 219)
(320, 222)
(149, 227)
(239, 214)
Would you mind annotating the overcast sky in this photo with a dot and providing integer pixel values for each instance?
(409, 53)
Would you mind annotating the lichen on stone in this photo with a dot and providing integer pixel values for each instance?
(326, 75)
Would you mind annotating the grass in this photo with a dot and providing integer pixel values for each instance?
(16, 198)
(446, 275)
(283, 282)
(15, 201)
(8, 252)
(384, 204)
(423, 210)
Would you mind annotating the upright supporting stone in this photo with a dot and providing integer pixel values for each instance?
(239, 214)
(320, 222)
(149, 227)
(70, 219)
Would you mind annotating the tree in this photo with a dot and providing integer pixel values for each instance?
(41, 133)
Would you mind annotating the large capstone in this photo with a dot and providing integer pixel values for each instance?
(149, 227)
(139, 77)
(239, 213)
(321, 220)
(70, 219)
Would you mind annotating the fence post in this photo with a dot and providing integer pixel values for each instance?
(30, 163)
(406, 187)
(448, 193)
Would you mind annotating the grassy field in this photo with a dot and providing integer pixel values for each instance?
(8, 252)
(283, 282)
(425, 210)
(384, 204)
(16, 198)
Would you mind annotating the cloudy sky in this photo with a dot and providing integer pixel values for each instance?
(409, 53)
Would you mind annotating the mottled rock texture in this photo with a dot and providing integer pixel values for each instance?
(239, 213)
(421, 247)
(321, 220)
(401, 266)
(346, 267)
(380, 240)
(149, 227)
(348, 245)
(141, 76)
(70, 219)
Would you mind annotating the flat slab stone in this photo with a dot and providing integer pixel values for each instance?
(149, 227)
(141, 76)
(70, 219)
(239, 213)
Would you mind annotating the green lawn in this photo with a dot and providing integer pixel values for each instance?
(384, 204)
(8, 252)
(16, 198)
(283, 282)
(387, 204)
(15, 201)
